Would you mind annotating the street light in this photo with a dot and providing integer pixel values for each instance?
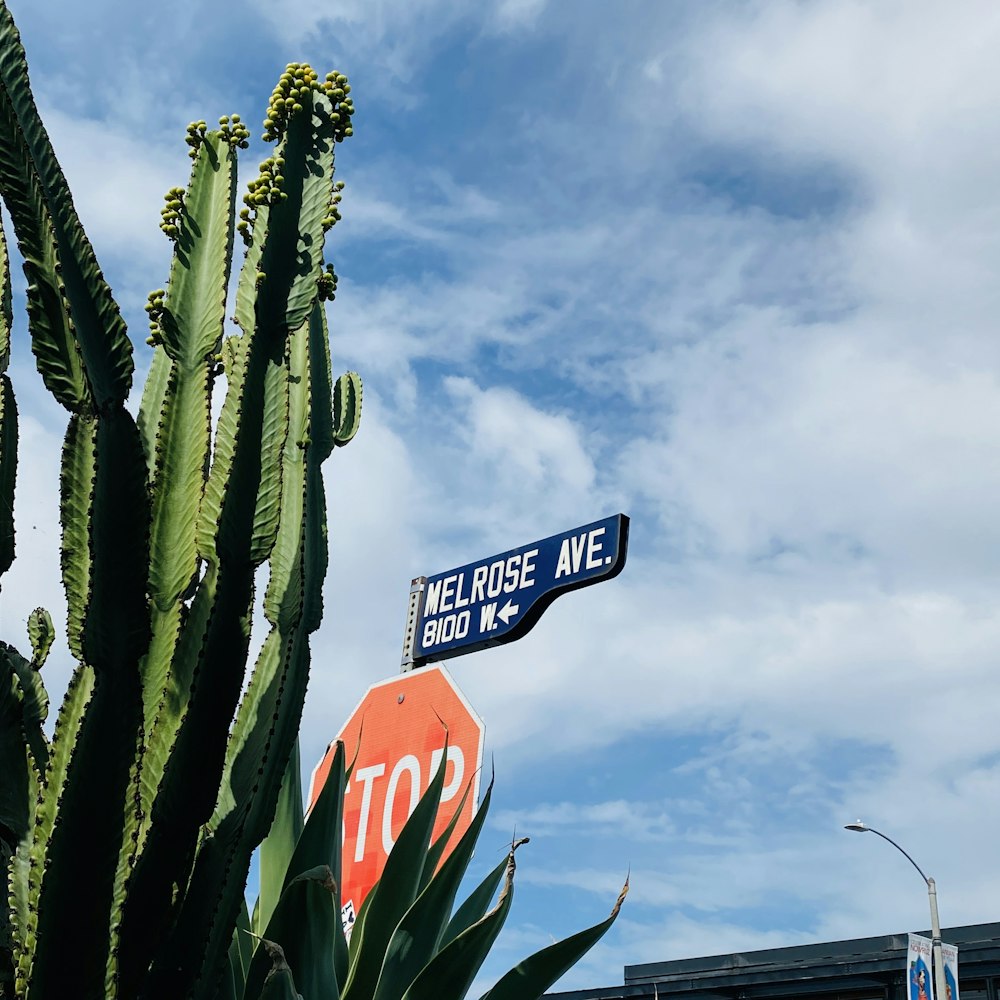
(939, 983)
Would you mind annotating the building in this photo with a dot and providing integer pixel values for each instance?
(862, 969)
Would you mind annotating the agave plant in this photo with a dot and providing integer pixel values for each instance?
(126, 837)
(410, 941)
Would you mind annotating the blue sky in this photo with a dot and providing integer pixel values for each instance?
(729, 267)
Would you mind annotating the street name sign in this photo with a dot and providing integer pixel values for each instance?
(500, 598)
(398, 731)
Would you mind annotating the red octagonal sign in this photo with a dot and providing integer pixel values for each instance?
(401, 745)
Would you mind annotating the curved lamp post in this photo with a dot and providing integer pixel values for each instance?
(939, 982)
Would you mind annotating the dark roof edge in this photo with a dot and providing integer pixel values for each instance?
(807, 953)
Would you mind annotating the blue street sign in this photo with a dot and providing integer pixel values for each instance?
(500, 599)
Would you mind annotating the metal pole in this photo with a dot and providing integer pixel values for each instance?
(413, 609)
(939, 981)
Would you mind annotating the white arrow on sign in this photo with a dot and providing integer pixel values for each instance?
(507, 612)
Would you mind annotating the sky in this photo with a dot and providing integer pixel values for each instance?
(727, 267)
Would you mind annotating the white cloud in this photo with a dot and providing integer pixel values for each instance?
(518, 13)
(539, 451)
(739, 282)
(635, 821)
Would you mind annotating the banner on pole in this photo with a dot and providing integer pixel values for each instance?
(949, 955)
(918, 966)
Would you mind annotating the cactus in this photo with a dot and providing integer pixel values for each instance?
(409, 941)
(127, 837)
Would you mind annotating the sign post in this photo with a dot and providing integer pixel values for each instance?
(398, 730)
(500, 599)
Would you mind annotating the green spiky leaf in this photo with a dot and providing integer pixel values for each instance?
(450, 973)
(395, 891)
(415, 940)
(532, 977)
(303, 924)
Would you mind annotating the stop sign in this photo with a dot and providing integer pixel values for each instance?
(401, 745)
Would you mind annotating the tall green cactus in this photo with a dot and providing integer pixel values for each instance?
(127, 837)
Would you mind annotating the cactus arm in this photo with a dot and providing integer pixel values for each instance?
(77, 476)
(189, 320)
(317, 550)
(75, 941)
(90, 842)
(18, 793)
(284, 595)
(186, 795)
(278, 846)
(291, 277)
(153, 393)
(14, 758)
(33, 699)
(27, 870)
(195, 302)
(248, 281)
(57, 353)
(41, 635)
(288, 232)
(244, 438)
(182, 448)
(274, 431)
(116, 630)
(206, 670)
(224, 517)
(277, 287)
(100, 331)
(321, 429)
(162, 732)
(16, 800)
(266, 725)
(346, 408)
(209, 909)
(190, 323)
(8, 471)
